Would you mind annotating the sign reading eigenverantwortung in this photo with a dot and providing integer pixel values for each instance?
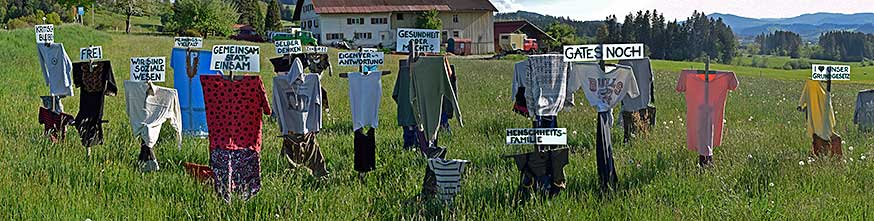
(148, 69)
(539, 136)
(361, 58)
(821, 72)
(574, 53)
(235, 58)
(45, 34)
(188, 42)
(426, 40)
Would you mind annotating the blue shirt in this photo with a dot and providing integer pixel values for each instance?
(190, 89)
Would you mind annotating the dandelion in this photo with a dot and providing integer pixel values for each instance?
(843, 141)
(810, 160)
(575, 132)
(751, 118)
(862, 157)
(664, 123)
(771, 185)
(850, 148)
(801, 163)
(671, 122)
(749, 156)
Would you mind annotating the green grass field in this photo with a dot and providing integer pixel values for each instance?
(757, 174)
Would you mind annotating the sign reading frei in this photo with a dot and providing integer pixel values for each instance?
(821, 72)
(361, 58)
(574, 53)
(426, 40)
(539, 136)
(316, 49)
(188, 42)
(148, 69)
(235, 58)
(45, 34)
(91, 53)
(288, 47)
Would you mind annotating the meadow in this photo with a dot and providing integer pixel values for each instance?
(762, 170)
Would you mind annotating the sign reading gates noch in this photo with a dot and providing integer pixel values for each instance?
(427, 40)
(188, 42)
(838, 72)
(288, 47)
(316, 49)
(361, 58)
(235, 58)
(575, 53)
(44, 34)
(539, 136)
(147, 69)
(90, 53)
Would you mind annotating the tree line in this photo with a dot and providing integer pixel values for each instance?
(780, 43)
(845, 46)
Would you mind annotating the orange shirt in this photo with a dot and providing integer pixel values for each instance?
(705, 108)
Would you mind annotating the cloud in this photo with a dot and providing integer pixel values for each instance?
(507, 5)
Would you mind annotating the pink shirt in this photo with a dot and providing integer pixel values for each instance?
(705, 109)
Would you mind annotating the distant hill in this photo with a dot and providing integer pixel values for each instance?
(809, 26)
(584, 28)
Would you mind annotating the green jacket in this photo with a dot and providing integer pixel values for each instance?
(429, 87)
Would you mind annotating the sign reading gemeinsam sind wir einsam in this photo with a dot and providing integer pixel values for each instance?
(426, 40)
(241, 58)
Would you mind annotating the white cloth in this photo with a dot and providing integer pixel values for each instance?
(298, 100)
(365, 93)
(604, 90)
(448, 174)
(520, 77)
(147, 112)
(644, 77)
(56, 67)
(547, 78)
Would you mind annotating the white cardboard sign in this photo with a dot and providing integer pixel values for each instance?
(574, 53)
(361, 58)
(316, 49)
(838, 72)
(44, 34)
(188, 42)
(91, 53)
(148, 69)
(539, 136)
(241, 58)
(427, 40)
(288, 47)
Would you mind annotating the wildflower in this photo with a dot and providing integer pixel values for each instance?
(671, 122)
(751, 118)
(850, 148)
(842, 141)
(801, 163)
(749, 156)
(862, 157)
(771, 185)
(810, 160)
(575, 132)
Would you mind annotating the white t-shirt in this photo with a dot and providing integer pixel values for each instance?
(604, 90)
(365, 93)
(547, 81)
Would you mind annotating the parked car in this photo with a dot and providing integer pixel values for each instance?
(516, 43)
(305, 37)
(246, 33)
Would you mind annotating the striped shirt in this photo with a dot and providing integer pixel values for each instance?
(448, 173)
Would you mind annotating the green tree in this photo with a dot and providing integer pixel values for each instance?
(203, 17)
(429, 20)
(563, 33)
(250, 14)
(272, 22)
(3, 4)
(130, 8)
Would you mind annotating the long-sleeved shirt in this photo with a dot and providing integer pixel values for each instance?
(187, 69)
(643, 74)
(547, 79)
(864, 113)
(604, 90)
(94, 80)
(429, 87)
(298, 103)
(56, 67)
(401, 95)
(148, 107)
(820, 117)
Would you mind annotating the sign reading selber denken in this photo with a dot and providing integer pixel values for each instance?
(235, 58)
(148, 69)
(539, 136)
(574, 53)
(426, 40)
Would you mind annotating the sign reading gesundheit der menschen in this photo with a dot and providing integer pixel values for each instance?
(574, 53)
(539, 136)
(188, 42)
(91, 53)
(148, 69)
(821, 72)
(426, 40)
(45, 34)
(241, 58)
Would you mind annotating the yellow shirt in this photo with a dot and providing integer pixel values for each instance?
(820, 117)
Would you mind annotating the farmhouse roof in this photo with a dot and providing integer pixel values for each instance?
(504, 27)
(376, 6)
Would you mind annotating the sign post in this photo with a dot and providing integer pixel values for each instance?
(426, 40)
(537, 136)
(91, 53)
(822, 72)
(288, 47)
(45, 34)
(148, 69)
(361, 58)
(188, 42)
(602, 52)
(232, 58)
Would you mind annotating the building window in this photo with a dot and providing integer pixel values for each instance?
(400, 16)
(348, 21)
(455, 18)
(363, 35)
(360, 21)
(308, 8)
(334, 36)
(315, 23)
(377, 21)
(456, 34)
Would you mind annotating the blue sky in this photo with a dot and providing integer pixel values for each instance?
(680, 9)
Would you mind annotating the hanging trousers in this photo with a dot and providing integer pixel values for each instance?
(365, 150)
(604, 151)
(303, 149)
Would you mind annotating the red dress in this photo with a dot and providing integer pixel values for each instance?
(233, 111)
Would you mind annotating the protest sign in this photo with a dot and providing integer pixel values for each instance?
(821, 72)
(426, 40)
(45, 34)
(288, 47)
(361, 58)
(539, 136)
(188, 42)
(148, 69)
(236, 58)
(316, 49)
(574, 53)
(91, 53)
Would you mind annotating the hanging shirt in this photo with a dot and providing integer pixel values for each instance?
(148, 107)
(644, 77)
(287, 63)
(448, 174)
(55, 123)
(233, 111)
(547, 78)
(705, 108)
(186, 80)
(429, 86)
(365, 93)
(299, 103)
(56, 67)
(604, 90)
(401, 95)
(864, 113)
(820, 117)
(94, 83)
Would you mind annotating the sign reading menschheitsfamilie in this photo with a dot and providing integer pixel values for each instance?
(44, 34)
(426, 40)
(147, 69)
(821, 72)
(316, 49)
(539, 136)
(288, 47)
(188, 42)
(235, 58)
(91, 53)
(361, 58)
(574, 53)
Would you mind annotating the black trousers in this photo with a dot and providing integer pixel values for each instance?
(604, 151)
(365, 150)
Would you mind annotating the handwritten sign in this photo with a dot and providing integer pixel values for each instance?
(148, 69)
(91, 53)
(80, 10)
(236, 58)
(574, 53)
(821, 72)
(539, 136)
(188, 42)
(316, 49)
(288, 47)
(426, 40)
(361, 58)
(45, 34)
